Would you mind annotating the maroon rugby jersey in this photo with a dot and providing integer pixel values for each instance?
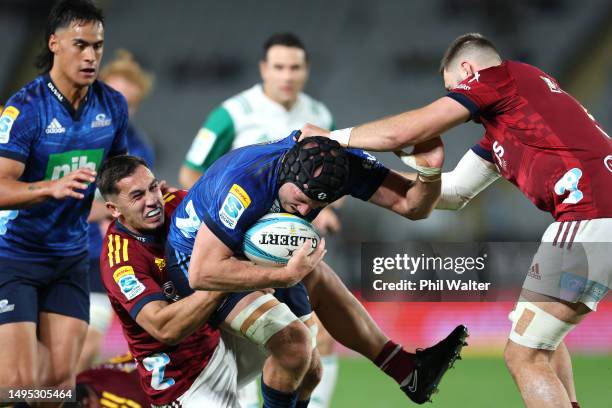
(133, 273)
(541, 139)
(116, 383)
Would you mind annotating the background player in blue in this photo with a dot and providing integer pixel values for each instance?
(54, 133)
(126, 76)
(207, 232)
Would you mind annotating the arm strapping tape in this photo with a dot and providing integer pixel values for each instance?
(471, 175)
(410, 161)
(342, 136)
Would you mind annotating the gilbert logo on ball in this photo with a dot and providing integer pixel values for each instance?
(274, 238)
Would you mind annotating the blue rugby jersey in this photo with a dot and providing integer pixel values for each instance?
(242, 186)
(40, 128)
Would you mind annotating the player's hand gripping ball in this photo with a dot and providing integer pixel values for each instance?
(272, 240)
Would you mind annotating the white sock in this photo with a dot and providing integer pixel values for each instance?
(322, 395)
(248, 396)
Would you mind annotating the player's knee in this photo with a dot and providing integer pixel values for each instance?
(292, 347)
(61, 376)
(313, 376)
(512, 359)
(20, 377)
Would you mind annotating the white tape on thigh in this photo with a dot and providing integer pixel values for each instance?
(541, 330)
(314, 328)
(268, 324)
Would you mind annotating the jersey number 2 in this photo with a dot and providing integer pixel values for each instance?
(157, 364)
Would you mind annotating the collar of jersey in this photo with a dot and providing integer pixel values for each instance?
(275, 105)
(61, 98)
(148, 239)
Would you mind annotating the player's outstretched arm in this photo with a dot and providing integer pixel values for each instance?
(213, 266)
(15, 194)
(414, 199)
(171, 323)
(399, 131)
(471, 175)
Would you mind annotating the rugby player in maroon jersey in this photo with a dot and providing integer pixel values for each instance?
(541, 139)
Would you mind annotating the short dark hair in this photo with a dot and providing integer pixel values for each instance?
(462, 42)
(286, 39)
(62, 15)
(113, 170)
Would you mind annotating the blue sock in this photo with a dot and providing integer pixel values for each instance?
(302, 403)
(277, 399)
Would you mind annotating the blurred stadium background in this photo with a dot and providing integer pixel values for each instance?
(368, 59)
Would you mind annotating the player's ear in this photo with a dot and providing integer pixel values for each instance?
(53, 43)
(112, 209)
(467, 69)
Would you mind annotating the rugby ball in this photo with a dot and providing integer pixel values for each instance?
(272, 240)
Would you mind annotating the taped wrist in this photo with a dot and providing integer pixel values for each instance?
(342, 136)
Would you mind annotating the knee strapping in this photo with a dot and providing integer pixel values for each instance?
(262, 319)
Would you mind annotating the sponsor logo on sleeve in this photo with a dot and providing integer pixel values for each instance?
(128, 283)
(201, 147)
(8, 117)
(236, 201)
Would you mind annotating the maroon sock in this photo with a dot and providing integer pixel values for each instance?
(575, 404)
(395, 361)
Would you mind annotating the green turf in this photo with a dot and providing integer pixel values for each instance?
(476, 382)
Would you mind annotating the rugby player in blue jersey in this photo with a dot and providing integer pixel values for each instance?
(54, 133)
(206, 236)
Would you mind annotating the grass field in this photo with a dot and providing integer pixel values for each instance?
(476, 382)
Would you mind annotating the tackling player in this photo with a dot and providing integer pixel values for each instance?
(245, 184)
(124, 75)
(54, 133)
(541, 139)
(181, 360)
(168, 338)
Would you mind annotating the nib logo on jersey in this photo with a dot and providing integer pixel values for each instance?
(60, 164)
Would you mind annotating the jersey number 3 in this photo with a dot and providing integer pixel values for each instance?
(569, 182)
(157, 364)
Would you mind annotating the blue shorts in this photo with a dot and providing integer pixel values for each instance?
(177, 266)
(57, 286)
